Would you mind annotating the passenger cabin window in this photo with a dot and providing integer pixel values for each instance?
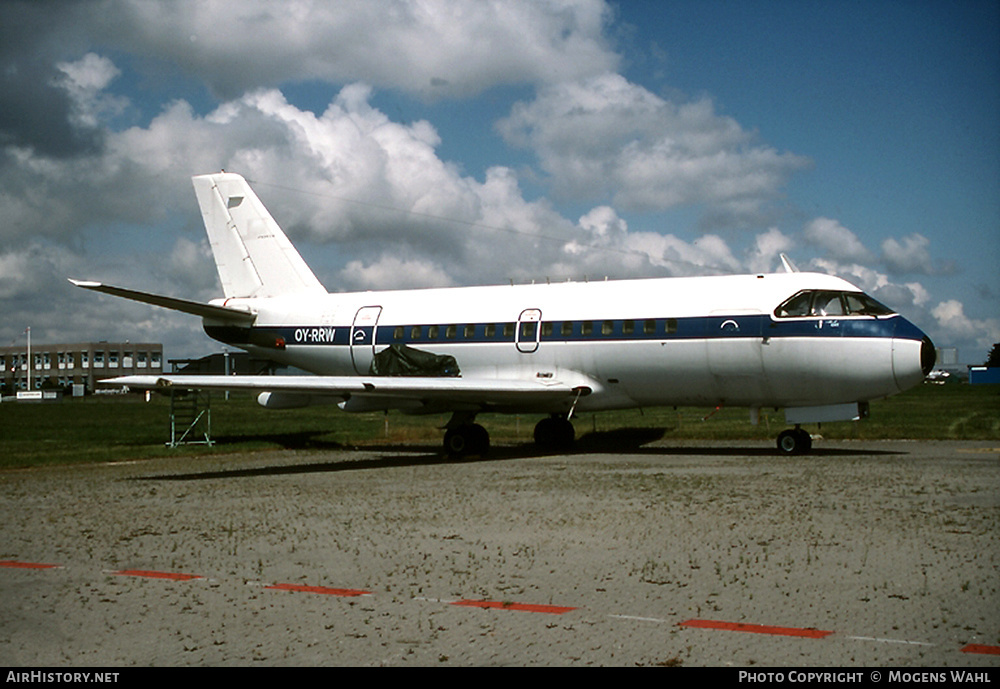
(827, 303)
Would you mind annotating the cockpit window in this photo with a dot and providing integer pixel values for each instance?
(863, 305)
(826, 303)
(796, 306)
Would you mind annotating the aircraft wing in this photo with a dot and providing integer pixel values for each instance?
(438, 392)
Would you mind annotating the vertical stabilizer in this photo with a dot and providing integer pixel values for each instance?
(252, 254)
(788, 265)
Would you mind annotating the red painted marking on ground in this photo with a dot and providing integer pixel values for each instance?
(757, 628)
(319, 589)
(26, 565)
(981, 648)
(175, 576)
(521, 607)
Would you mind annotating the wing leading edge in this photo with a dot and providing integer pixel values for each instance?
(364, 393)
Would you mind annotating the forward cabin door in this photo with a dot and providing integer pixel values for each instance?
(363, 338)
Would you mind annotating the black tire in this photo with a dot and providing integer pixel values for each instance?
(554, 433)
(468, 439)
(794, 441)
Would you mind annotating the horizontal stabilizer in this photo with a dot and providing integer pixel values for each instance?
(196, 308)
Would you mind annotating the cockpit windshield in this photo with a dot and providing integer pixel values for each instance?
(828, 303)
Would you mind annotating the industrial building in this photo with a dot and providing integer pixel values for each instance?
(63, 366)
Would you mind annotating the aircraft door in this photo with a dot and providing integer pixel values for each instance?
(363, 337)
(528, 331)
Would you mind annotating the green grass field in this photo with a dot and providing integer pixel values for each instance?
(115, 428)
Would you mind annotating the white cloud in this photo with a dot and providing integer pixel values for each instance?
(956, 326)
(434, 49)
(392, 272)
(835, 239)
(911, 255)
(767, 247)
(606, 136)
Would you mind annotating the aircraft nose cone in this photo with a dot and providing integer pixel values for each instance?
(913, 355)
(928, 355)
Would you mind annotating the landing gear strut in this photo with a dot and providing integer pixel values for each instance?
(794, 441)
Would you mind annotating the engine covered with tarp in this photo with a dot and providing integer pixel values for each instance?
(402, 360)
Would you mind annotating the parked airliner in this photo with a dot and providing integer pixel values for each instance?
(810, 343)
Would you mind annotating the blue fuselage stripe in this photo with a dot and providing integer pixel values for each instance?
(635, 330)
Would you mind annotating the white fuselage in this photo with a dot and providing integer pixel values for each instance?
(633, 343)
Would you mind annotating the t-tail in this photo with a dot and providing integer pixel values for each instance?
(253, 256)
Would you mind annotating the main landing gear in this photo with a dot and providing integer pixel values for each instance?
(554, 433)
(794, 441)
(463, 437)
(466, 439)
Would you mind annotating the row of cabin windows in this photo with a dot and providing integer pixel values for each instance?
(528, 329)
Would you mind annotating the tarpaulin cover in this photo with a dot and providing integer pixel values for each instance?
(401, 360)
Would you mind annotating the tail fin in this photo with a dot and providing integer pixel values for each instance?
(789, 266)
(252, 254)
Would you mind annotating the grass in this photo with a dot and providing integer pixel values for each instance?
(116, 428)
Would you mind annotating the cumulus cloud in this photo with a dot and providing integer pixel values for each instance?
(763, 256)
(836, 240)
(646, 153)
(392, 272)
(444, 48)
(909, 255)
(951, 318)
(85, 81)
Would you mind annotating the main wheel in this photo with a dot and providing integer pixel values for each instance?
(554, 433)
(467, 439)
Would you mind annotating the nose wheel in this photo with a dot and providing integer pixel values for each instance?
(794, 441)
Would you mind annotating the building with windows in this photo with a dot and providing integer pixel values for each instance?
(61, 366)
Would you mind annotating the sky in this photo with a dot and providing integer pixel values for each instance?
(462, 142)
